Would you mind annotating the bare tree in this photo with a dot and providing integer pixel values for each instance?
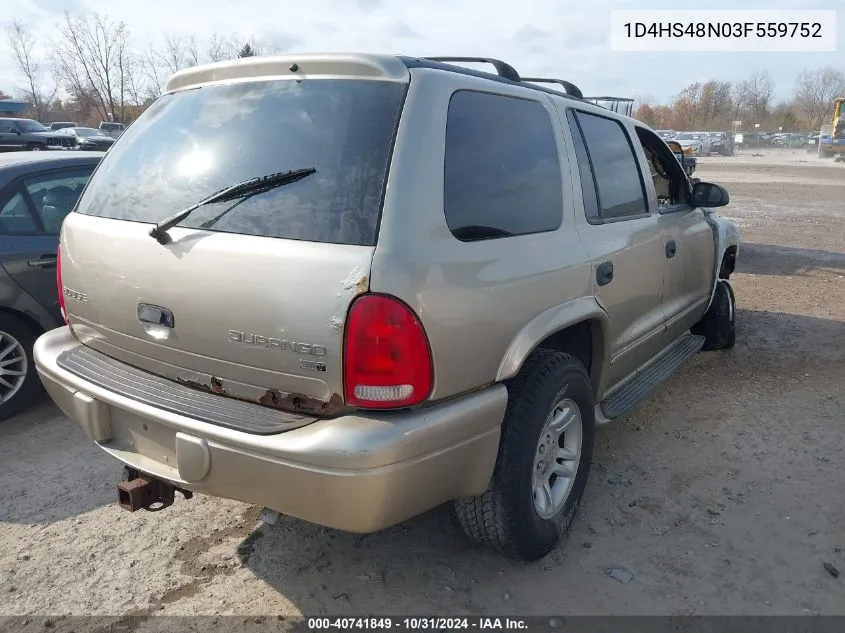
(22, 43)
(150, 64)
(219, 48)
(180, 51)
(758, 90)
(815, 91)
(93, 55)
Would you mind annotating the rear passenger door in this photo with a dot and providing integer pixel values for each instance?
(31, 213)
(623, 238)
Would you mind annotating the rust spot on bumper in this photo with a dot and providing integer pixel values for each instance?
(275, 399)
(299, 403)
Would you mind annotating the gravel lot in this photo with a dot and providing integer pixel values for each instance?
(723, 494)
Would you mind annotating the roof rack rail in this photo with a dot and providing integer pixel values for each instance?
(571, 88)
(503, 69)
(620, 105)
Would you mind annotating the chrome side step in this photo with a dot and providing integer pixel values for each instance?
(647, 378)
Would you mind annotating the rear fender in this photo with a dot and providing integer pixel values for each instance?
(553, 320)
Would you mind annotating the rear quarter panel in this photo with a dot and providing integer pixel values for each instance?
(472, 298)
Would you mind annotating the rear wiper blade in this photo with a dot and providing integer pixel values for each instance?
(250, 187)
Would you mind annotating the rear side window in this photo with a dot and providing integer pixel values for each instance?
(190, 144)
(617, 174)
(54, 195)
(502, 172)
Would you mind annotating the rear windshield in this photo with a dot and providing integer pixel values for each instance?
(190, 144)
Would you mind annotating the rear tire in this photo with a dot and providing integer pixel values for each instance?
(528, 505)
(35, 147)
(718, 326)
(16, 340)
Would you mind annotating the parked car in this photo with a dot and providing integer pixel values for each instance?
(666, 135)
(722, 143)
(373, 317)
(111, 129)
(60, 125)
(26, 134)
(750, 140)
(696, 143)
(789, 140)
(37, 190)
(87, 138)
(826, 141)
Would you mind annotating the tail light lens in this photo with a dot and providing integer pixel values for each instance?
(59, 285)
(386, 356)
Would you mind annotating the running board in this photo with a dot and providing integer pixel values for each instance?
(637, 388)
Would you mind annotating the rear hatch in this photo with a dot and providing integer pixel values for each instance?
(249, 297)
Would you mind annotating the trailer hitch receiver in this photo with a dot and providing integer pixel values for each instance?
(141, 491)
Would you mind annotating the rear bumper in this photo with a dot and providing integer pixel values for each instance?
(359, 473)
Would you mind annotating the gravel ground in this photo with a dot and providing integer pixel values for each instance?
(723, 494)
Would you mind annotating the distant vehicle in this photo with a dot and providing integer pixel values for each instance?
(26, 134)
(87, 138)
(722, 143)
(696, 142)
(60, 125)
(37, 191)
(812, 143)
(825, 141)
(666, 134)
(749, 140)
(789, 140)
(112, 129)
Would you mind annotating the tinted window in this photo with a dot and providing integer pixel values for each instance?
(618, 179)
(55, 194)
(15, 217)
(502, 170)
(588, 183)
(31, 126)
(189, 144)
(7, 126)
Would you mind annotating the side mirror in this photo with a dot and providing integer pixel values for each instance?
(706, 194)
(16, 131)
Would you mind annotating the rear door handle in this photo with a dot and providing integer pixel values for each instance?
(671, 249)
(45, 261)
(604, 273)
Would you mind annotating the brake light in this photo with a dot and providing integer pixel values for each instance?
(386, 356)
(59, 285)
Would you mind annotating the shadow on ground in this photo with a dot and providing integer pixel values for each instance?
(324, 571)
(768, 259)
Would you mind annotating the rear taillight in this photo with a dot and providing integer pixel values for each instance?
(59, 285)
(386, 356)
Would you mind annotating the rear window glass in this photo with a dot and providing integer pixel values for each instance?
(190, 144)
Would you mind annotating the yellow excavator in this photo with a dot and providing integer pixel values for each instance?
(835, 144)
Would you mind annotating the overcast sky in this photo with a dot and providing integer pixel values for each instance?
(561, 38)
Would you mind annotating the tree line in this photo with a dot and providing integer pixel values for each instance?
(94, 71)
(714, 105)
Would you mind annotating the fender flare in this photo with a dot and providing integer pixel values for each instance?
(726, 235)
(554, 320)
